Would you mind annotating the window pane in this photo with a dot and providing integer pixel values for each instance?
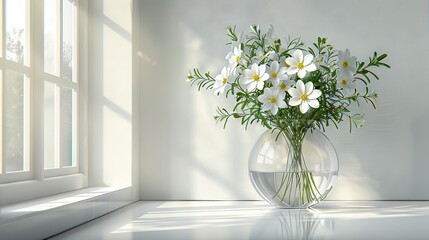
(13, 122)
(15, 30)
(52, 51)
(68, 126)
(68, 34)
(51, 161)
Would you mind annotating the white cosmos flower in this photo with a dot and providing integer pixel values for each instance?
(300, 64)
(304, 95)
(283, 85)
(346, 63)
(272, 100)
(276, 73)
(255, 77)
(345, 81)
(234, 56)
(222, 80)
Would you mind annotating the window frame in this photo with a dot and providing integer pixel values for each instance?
(40, 182)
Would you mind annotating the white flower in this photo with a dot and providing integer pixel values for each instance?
(276, 73)
(255, 77)
(283, 85)
(234, 56)
(304, 95)
(272, 100)
(345, 81)
(346, 63)
(300, 64)
(221, 80)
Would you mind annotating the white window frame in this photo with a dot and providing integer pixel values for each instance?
(38, 182)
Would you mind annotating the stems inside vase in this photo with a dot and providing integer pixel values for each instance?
(297, 186)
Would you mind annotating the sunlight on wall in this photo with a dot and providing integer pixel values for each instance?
(110, 84)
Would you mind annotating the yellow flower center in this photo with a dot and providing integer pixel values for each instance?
(285, 63)
(224, 80)
(256, 77)
(237, 58)
(283, 86)
(344, 82)
(304, 97)
(261, 55)
(273, 74)
(300, 65)
(345, 64)
(273, 100)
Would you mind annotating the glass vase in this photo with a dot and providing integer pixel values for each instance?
(293, 168)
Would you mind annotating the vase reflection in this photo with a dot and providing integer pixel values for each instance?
(293, 224)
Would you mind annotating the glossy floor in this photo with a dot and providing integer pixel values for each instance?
(257, 220)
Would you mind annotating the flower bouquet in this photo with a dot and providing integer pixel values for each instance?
(291, 89)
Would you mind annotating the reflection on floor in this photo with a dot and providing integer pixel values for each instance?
(258, 220)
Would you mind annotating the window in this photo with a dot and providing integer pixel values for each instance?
(39, 89)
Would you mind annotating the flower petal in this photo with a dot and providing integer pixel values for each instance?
(274, 67)
(347, 54)
(251, 86)
(266, 106)
(262, 98)
(274, 109)
(254, 68)
(340, 56)
(301, 73)
(313, 103)
(262, 69)
(264, 77)
(281, 104)
(292, 70)
(303, 107)
(307, 59)
(220, 89)
(291, 62)
(298, 55)
(315, 94)
(268, 92)
(310, 68)
(300, 86)
(309, 88)
(295, 101)
(293, 92)
(260, 85)
(282, 71)
(282, 77)
(223, 72)
(217, 84)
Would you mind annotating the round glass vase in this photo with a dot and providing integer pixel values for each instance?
(293, 168)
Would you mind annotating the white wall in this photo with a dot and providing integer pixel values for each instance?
(185, 155)
(112, 114)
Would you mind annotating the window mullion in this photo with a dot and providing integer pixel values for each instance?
(58, 38)
(37, 63)
(58, 162)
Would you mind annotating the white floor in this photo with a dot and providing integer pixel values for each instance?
(257, 220)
